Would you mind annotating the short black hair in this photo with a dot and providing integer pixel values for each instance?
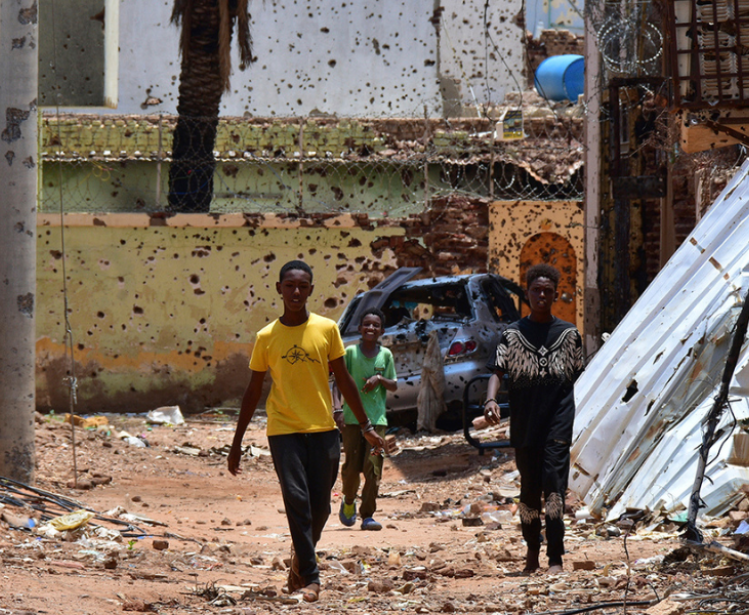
(542, 270)
(300, 265)
(374, 312)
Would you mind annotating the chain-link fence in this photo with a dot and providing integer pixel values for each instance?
(377, 166)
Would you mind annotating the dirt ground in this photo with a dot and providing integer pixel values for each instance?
(219, 544)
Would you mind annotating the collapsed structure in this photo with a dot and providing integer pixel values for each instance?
(644, 396)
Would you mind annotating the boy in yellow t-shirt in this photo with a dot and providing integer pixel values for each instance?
(298, 348)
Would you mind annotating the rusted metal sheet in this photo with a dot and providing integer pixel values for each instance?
(643, 397)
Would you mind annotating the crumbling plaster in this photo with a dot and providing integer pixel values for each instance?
(513, 224)
(363, 58)
(163, 309)
(167, 313)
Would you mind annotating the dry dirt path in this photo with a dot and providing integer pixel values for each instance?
(221, 541)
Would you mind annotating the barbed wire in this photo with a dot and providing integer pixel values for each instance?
(318, 164)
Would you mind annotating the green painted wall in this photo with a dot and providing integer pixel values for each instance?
(167, 314)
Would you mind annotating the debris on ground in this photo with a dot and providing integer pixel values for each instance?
(179, 535)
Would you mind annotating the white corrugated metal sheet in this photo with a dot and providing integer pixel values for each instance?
(643, 397)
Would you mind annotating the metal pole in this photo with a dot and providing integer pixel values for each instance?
(18, 186)
(592, 202)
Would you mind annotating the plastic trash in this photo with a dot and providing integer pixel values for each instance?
(72, 520)
(136, 442)
(171, 415)
(743, 528)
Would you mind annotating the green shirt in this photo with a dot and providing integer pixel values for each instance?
(362, 369)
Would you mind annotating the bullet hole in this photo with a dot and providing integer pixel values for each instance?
(332, 63)
(100, 314)
(202, 321)
(199, 291)
(81, 346)
(354, 243)
(175, 256)
(337, 193)
(56, 254)
(120, 279)
(269, 258)
(194, 279)
(330, 303)
(137, 309)
(630, 392)
(122, 242)
(312, 251)
(124, 328)
(26, 304)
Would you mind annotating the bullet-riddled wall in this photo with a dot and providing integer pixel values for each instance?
(525, 233)
(166, 313)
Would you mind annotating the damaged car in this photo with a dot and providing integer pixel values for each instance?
(467, 312)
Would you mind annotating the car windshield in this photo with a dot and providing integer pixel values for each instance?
(428, 302)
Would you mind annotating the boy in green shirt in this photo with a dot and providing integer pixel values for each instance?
(372, 368)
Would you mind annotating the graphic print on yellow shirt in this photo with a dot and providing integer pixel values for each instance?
(297, 357)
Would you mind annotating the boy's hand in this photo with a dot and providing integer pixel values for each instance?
(491, 412)
(338, 418)
(372, 383)
(376, 441)
(233, 461)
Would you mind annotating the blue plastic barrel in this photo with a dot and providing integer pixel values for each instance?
(561, 77)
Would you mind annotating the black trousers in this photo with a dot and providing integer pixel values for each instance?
(544, 471)
(307, 466)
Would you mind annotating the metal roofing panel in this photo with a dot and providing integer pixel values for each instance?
(661, 367)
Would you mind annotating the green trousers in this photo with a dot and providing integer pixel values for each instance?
(360, 461)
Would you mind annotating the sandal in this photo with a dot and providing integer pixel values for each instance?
(295, 581)
(311, 593)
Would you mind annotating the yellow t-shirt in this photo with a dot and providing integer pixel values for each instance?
(297, 357)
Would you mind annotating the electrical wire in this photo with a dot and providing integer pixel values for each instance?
(71, 379)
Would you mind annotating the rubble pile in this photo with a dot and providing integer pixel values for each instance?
(171, 532)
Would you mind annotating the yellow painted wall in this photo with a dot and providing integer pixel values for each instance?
(513, 223)
(164, 311)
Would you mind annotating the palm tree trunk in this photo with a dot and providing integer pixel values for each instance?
(200, 89)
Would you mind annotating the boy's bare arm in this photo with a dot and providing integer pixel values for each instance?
(347, 387)
(249, 404)
(376, 380)
(491, 407)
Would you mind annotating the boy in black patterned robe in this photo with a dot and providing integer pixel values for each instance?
(542, 356)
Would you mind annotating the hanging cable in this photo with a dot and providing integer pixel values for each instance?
(71, 380)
